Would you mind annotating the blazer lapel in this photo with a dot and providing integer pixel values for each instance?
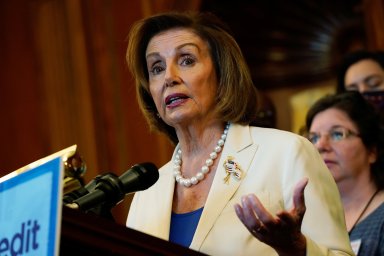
(240, 147)
(163, 203)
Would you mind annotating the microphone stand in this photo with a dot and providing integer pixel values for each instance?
(74, 188)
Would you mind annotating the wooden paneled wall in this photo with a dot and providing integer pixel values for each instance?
(374, 23)
(64, 81)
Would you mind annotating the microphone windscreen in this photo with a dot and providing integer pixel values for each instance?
(139, 177)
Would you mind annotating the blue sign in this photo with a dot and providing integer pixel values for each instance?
(30, 211)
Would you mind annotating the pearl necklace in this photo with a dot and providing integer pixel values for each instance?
(205, 169)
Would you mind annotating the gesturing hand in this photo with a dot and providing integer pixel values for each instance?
(282, 232)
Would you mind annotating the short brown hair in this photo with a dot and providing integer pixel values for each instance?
(237, 98)
(366, 119)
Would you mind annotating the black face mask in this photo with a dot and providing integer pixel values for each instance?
(376, 98)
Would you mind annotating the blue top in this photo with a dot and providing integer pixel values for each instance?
(183, 227)
(371, 232)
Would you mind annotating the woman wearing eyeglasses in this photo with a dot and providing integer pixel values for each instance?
(345, 129)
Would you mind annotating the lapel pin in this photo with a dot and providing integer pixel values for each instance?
(232, 168)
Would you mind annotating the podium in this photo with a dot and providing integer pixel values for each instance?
(92, 235)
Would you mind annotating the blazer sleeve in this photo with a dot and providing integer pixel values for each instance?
(324, 222)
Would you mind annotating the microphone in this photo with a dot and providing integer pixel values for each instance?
(82, 191)
(109, 190)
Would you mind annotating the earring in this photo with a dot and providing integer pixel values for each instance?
(158, 115)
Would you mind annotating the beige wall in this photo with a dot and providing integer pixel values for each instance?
(293, 102)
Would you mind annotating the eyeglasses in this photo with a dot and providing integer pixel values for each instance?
(335, 135)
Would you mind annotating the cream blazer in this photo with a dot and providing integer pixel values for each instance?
(273, 161)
